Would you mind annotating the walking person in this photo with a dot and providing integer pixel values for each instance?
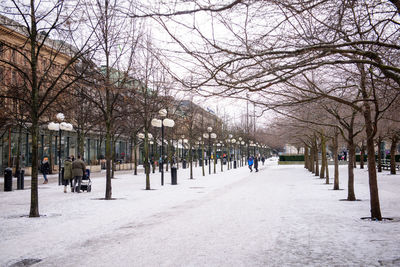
(256, 163)
(78, 170)
(45, 169)
(263, 159)
(250, 162)
(67, 174)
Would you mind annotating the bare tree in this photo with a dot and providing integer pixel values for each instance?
(44, 66)
(117, 37)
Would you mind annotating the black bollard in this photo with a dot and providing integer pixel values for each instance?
(8, 179)
(234, 164)
(18, 175)
(174, 179)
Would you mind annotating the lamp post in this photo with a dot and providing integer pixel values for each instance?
(214, 136)
(60, 126)
(209, 135)
(160, 124)
(230, 148)
(240, 152)
(202, 152)
(182, 150)
(228, 141)
(241, 156)
(233, 142)
(219, 147)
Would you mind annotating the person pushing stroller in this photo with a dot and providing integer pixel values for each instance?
(78, 170)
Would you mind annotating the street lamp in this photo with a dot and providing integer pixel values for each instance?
(214, 136)
(219, 147)
(53, 126)
(160, 124)
(228, 141)
(183, 151)
(240, 151)
(241, 156)
(209, 135)
(233, 141)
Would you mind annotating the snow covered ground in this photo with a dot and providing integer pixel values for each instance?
(280, 216)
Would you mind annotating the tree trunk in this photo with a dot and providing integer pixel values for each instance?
(146, 159)
(191, 160)
(312, 156)
(362, 153)
(379, 154)
(335, 155)
(202, 159)
(310, 160)
(316, 157)
(19, 141)
(373, 183)
(323, 157)
(394, 140)
(34, 208)
(108, 195)
(350, 194)
(326, 170)
(306, 157)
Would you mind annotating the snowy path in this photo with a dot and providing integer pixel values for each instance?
(281, 216)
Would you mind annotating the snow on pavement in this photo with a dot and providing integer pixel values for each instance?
(280, 216)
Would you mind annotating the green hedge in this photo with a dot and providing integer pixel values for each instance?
(291, 158)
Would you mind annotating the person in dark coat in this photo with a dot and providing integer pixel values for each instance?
(256, 163)
(67, 174)
(263, 159)
(45, 169)
(250, 161)
(78, 170)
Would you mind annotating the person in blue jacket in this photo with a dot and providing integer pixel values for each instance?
(250, 161)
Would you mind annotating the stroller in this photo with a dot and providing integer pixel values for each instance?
(86, 182)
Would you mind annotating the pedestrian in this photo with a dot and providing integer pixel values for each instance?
(78, 170)
(45, 169)
(250, 161)
(256, 163)
(72, 158)
(68, 174)
(263, 159)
